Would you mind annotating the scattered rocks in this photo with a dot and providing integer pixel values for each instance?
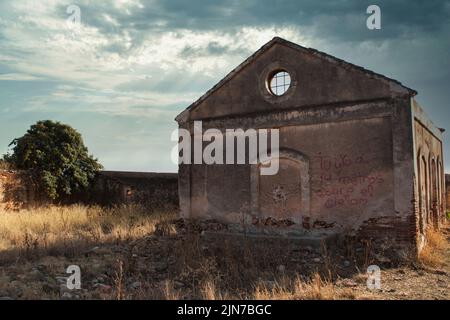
(96, 267)
(61, 280)
(272, 222)
(281, 268)
(103, 288)
(178, 284)
(91, 251)
(135, 285)
(349, 283)
(41, 267)
(383, 259)
(48, 288)
(36, 275)
(16, 283)
(67, 296)
(184, 226)
(97, 251)
(160, 266)
(442, 283)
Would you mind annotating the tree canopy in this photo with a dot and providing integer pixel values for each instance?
(56, 156)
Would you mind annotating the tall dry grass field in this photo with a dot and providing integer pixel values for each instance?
(433, 254)
(74, 227)
(128, 252)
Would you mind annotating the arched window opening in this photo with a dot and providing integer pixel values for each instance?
(285, 195)
(434, 192)
(425, 189)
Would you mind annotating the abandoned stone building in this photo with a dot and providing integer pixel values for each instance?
(357, 153)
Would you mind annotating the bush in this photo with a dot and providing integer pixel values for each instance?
(4, 165)
(57, 158)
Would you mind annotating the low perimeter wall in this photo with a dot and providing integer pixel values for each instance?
(152, 190)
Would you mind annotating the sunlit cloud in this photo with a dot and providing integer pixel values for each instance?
(135, 64)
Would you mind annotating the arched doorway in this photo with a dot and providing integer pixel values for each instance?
(441, 189)
(421, 193)
(424, 192)
(434, 193)
(285, 195)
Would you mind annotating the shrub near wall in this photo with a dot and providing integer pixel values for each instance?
(17, 190)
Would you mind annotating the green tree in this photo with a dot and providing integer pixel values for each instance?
(56, 156)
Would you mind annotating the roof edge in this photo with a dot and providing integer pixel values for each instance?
(228, 77)
(184, 115)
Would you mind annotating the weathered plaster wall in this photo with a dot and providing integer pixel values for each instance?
(348, 140)
(317, 79)
(352, 155)
(351, 179)
(430, 179)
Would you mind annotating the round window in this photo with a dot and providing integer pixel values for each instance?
(279, 82)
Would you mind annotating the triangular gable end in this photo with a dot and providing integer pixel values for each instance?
(318, 79)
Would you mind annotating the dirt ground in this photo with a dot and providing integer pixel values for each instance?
(174, 262)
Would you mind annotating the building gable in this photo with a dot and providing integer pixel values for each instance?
(316, 79)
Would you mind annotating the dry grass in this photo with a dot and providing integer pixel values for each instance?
(316, 288)
(52, 228)
(136, 246)
(209, 290)
(99, 240)
(432, 254)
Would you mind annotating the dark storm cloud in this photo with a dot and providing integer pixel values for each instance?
(212, 49)
(343, 20)
(147, 62)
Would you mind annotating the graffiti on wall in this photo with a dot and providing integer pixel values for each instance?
(342, 181)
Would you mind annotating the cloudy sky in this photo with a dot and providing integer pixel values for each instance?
(131, 66)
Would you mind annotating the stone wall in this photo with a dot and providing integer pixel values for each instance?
(348, 140)
(430, 181)
(156, 191)
(349, 185)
